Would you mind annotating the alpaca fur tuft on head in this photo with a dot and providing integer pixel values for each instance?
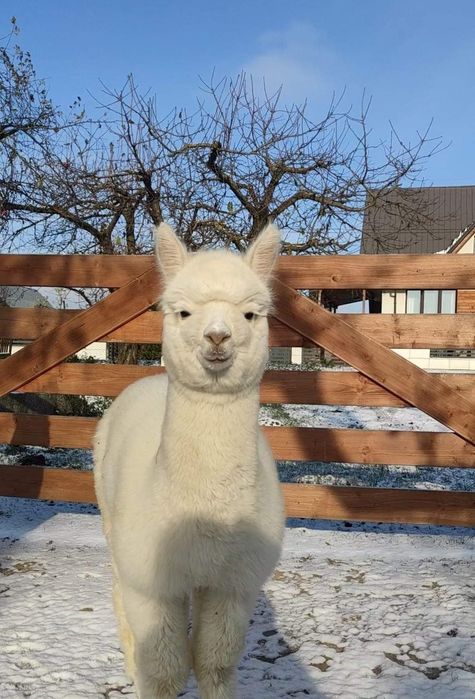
(187, 486)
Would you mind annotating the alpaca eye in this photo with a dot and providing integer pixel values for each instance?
(185, 314)
(249, 315)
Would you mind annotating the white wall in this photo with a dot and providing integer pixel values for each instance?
(98, 350)
(468, 247)
(422, 358)
(389, 297)
(95, 349)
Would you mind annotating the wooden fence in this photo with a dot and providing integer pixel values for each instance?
(383, 378)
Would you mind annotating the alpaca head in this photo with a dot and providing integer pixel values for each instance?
(215, 305)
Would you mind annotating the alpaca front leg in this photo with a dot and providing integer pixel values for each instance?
(161, 647)
(125, 633)
(220, 622)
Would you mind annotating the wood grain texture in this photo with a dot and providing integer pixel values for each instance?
(302, 272)
(51, 348)
(380, 505)
(418, 331)
(301, 387)
(301, 501)
(378, 271)
(398, 331)
(31, 323)
(414, 385)
(343, 388)
(34, 482)
(358, 340)
(466, 302)
(89, 379)
(90, 271)
(287, 443)
(47, 430)
(437, 449)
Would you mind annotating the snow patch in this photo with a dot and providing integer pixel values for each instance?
(356, 614)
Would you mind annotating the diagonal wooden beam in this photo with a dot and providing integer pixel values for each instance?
(105, 316)
(406, 380)
(392, 372)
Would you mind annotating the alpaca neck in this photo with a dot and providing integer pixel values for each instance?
(180, 394)
(211, 410)
(209, 432)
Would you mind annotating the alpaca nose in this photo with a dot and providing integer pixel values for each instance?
(217, 335)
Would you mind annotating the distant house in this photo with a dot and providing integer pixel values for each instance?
(442, 222)
(418, 221)
(18, 297)
(24, 297)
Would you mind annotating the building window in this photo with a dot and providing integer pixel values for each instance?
(413, 301)
(453, 353)
(448, 301)
(431, 301)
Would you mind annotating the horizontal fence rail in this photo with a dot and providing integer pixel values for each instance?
(397, 331)
(89, 271)
(325, 272)
(362, 340)
(379, 505)
(288, 443)
(301, 387)
(312, 501)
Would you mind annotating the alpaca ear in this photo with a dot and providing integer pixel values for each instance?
(171, 253)
(264, 251)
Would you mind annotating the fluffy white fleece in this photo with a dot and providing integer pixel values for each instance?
(185, 479)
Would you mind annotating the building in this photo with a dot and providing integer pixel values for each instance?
(24, 297)
(438, 220)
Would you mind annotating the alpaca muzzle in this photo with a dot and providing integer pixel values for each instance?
(216, 358)
(217, 334)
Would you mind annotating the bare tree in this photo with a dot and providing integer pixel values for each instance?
(315, 178)
(26, 114)
(242, 158)
(25, 109)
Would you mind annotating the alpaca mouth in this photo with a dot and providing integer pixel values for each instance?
(216, 362)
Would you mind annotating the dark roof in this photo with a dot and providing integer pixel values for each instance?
(419, 221)
(22, 297)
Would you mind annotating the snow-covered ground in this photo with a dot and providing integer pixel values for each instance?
(353, 611)
(362, 613)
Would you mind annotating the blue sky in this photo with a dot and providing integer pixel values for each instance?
(415, 58)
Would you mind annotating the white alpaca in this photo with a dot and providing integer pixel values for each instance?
(185, 479)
